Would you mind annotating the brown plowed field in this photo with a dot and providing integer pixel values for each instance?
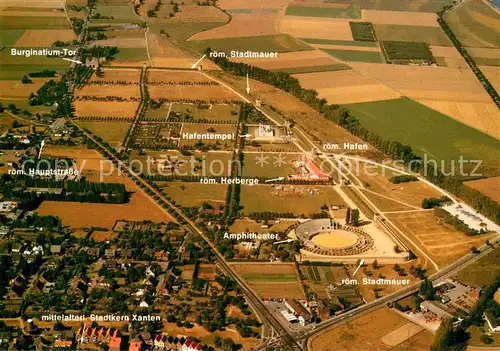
(252, 4)
(308, 58)
(442, 242)
(400, 18)
(346, 87)
(175, 76)
(346, 47)
(118, 75)
(432, 83)
(16, 89)
(106, 109)
(126, 91)
(316, 27)
(483, 116)
(192, 92)
(489, 187)
(243, 25)
(44, 38)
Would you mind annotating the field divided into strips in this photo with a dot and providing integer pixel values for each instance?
(297, 62)
(475, 24)
(489, 187)
(349, 11)
(441, 241)
(272, 280)
(35, 28)
(448, 56)
(432, 133)
(346, 86)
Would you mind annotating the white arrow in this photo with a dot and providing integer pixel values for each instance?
(42, 144)
(76, 61)
(248, 85)
(245, 135)
(284, 241)
(362, 262)
(197, 62)
(274, 179)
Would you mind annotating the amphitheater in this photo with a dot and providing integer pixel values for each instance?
(329, 238)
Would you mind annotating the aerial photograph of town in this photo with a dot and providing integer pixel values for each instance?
(254, 175)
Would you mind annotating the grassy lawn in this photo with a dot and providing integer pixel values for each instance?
(339, 42)
(132, 54)
(297, 199)
(429, 35)
(111, 132)
(483, 271)
(253, 169)
(351, 12)
(356, 56)
(475, 24)
(215, 113)
(325, 68)
(397, 51)
(428, 132)
(31, 22)
(10, 37)
(193, 194)
(274, 43)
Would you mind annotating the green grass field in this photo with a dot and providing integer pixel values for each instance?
(356, 56)
(132, 54)
(309, 11)
(10, 37)
(112, 132)
(362, 31)
(487, 61)
(401, 51)
(274, 43)
(194, 194)
(297, 200)
(263, 277)
(397, 5)
(340, 42)
(11, 72)
(215, 113)
(311, 69)
(482, 272)
(31, 22)
(428, 132)
(428, 35)
(475, 24)
(120, 13)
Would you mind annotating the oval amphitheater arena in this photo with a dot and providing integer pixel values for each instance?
(327, 237)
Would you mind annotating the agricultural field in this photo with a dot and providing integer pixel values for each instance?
(427, 138)
(356, 55)
(371, 332)
(440, 241)
(116, 14)
(272, 43)
(349, 11)
(448, 56)
(348, 86)
(207, 93)
(250, 226)
(404, 18)
(297, 199)
(418, 34)
(400, 52)
(122, 76)
(488, 186)
(195, 194)
(112, 132)
(129, 92)
(122, 109)
(272, 280)
(44, 38)
(475, 24)
(319, 277)
(309, 60)
(14, 89)
(482, 272)
(316, 27)
(362, 31)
